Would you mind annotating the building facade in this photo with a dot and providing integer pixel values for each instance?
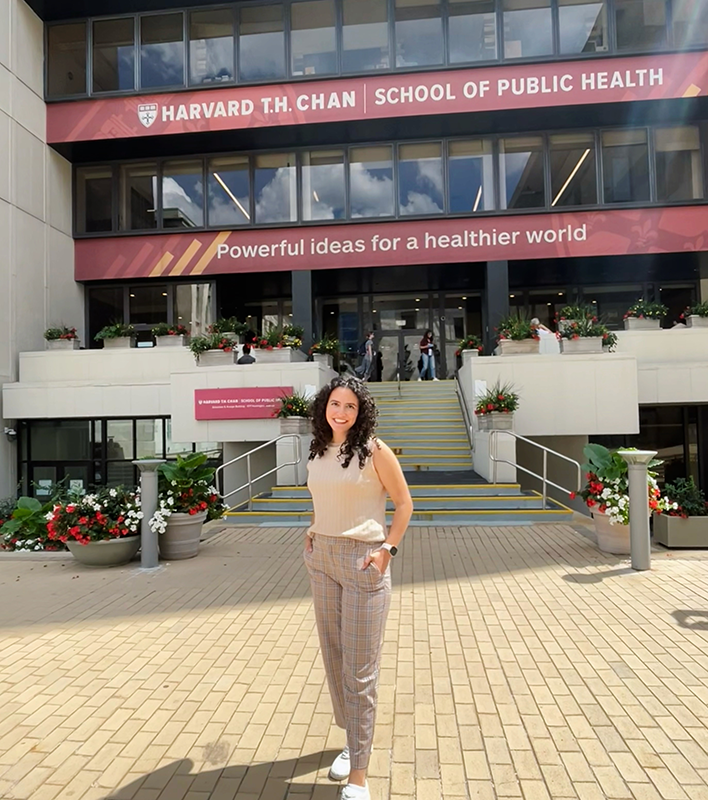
(353, 165)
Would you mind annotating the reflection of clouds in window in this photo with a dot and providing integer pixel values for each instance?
(223, 211)
(513, 166)
(262, 56)
(323, 191)
(162, 64)
(229, 192)
(183, 202)
(275, 201)
(371, 190)
(577, 24)
(421, 186)
(212, 60)
(420, 204)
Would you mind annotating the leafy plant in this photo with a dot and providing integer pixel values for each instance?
(228, 325)
(294, 331)
(163, 329)
(27, 527)
(293, 405)
(516, 328)
(109, 513)
(277, 338)
(576, 328)
(645, 310)
(53, 334)
(116, 330)
(470, 342)
(576, 312)
(212, 341)
(698, 310)
(688, 499)
(609, 340)
(326, 346)
(500, 398)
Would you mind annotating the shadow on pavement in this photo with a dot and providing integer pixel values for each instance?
(683, 619)
(596, 577)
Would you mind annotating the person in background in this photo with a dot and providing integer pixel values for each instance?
(365, 368)
(246, 358)
(548, 343)
(427, 353)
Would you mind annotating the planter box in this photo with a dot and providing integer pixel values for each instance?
(508, 347)
(585, 344)
(62, 344)
(170, 341)
(119, 343)
(496, 421)
(278, 355)
(636, 324)
(694, 321)
(611, 538)
(323, 358)
(217, 358)
(468, 355)
(680, 532)
(110, 553)
(299, 425)
(181, 537)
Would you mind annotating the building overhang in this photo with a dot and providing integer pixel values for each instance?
(54, 10)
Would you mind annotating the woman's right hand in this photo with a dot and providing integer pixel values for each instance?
(308, 543)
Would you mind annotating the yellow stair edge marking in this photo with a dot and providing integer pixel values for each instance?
(427, 486)
(456, 498)
(427, 513)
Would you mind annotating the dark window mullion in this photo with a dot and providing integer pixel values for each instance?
(287, 33)
(236, 18)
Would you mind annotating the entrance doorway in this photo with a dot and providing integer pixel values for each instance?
(400, 353)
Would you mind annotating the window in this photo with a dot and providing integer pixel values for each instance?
(690, 23)
(94, 199)
(105, 305)
(193, 306)
(229, 192)
(149, 438)
(114, 55)
(66, 71)
(471, 176)
(528, 29)
(625, 160)
(420, 178)
(138, 208)
(147, 304)
(211, 46)
(419, 39)
(641, 24)
(472, 31)
(275, 188)
(573, 177)
(323, 185)
(371, 181)
(262, 43)
(312, 39)
(365, 35)
(521, 172)
(678, 164)
(183, 195)
(612, 302)
(161, 51)
(61, 440)
(583, 26)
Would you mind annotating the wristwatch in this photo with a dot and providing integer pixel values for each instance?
(392, 549)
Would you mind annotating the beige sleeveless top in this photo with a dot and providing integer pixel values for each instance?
(347, 502)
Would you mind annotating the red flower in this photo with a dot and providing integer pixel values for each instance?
(490, 407)
(573, 495)
(70, 509)
(83, 520)
(192, 511)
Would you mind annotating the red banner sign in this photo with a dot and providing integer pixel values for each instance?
(612, 80)
(442, 241)
(238, 403)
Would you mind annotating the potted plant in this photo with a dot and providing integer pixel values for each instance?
(213, 350)
(229, 327)
(516, 336)
(644, 316)
(571, 313)
(696, 316)
(116, 335)
(100, 529)
(685, 522)
(23, 526)
(325, 351)
(62, 338)
(606, 494)
(280, 345)
(294, 414)
(495, 408)
(609, 341)
(170, 335)
(581, 336)
(469, 347)
(186, 499)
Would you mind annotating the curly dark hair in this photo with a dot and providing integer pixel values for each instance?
(360, 433)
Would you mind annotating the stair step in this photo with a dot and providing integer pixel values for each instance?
(422, 504)
(427, 490)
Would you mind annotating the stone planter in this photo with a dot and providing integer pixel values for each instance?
(217, 358)
(468, 355)
(110, 553)
(181, 537)
(323, 358)
(120, 342)
(170, 341)
(496, 421)
(584, 344)
(680, 532)
(299, 425)
(646, 324)
(508, 347)
(278, 355)
(63, 344)
(694, 321)
(611, 538)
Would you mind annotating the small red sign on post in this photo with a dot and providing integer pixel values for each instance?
(238, 403)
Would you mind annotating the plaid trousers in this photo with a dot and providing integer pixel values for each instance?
(351, 606)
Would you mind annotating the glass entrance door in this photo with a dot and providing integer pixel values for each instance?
(399, 350)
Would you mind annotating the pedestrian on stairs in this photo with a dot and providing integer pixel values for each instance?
(427, 355)
(348, 551)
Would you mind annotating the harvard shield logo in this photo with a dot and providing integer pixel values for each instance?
(147, 114)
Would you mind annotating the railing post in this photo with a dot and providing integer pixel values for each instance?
(493, 454)
(250, 482)
(545, 478)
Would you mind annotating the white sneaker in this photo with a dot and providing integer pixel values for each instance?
(340, 766)
(352, 792)
(436, 379)
(420, 379)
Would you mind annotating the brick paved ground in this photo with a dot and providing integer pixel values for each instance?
(518, 663)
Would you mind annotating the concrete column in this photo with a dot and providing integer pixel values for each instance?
(149, 547)
(703, 276)
(639, 536)
(496, 300)
(303, 305)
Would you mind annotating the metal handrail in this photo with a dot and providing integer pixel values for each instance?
(494, 435)
(465, 411)
(251, 480)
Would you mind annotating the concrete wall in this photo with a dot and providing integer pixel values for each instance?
(37, 288)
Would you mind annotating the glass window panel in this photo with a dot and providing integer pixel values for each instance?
(690, 23)
(275, 188)
(161, 51)
(573, 176)
(641, 24)
(471, 176)
(66, 54)
(262, 43)
(105, 306)
(521, 172)
(94, 199)
(60, 440)
(371, 181)
(420, 179)
(148, 438)
(119, 439)
(43, 479)
(472, 31)
(121, 473)
(183, 194)
(113, 55)
(419, 39)
(312, 39)
(678, 164)
(229, 191)
(365, 35)
(625, 159)
(527, 28)
(612, 302)
(583, 26)
(138, 186)
(148, 305)
(193, 306)
(323, 184)
(211, 46)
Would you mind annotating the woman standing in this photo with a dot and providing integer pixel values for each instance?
(347, 553)
(365, 368)
(427, 353)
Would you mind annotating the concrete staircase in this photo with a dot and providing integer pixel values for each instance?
(425, 427)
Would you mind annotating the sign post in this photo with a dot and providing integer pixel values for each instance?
(639, 536)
